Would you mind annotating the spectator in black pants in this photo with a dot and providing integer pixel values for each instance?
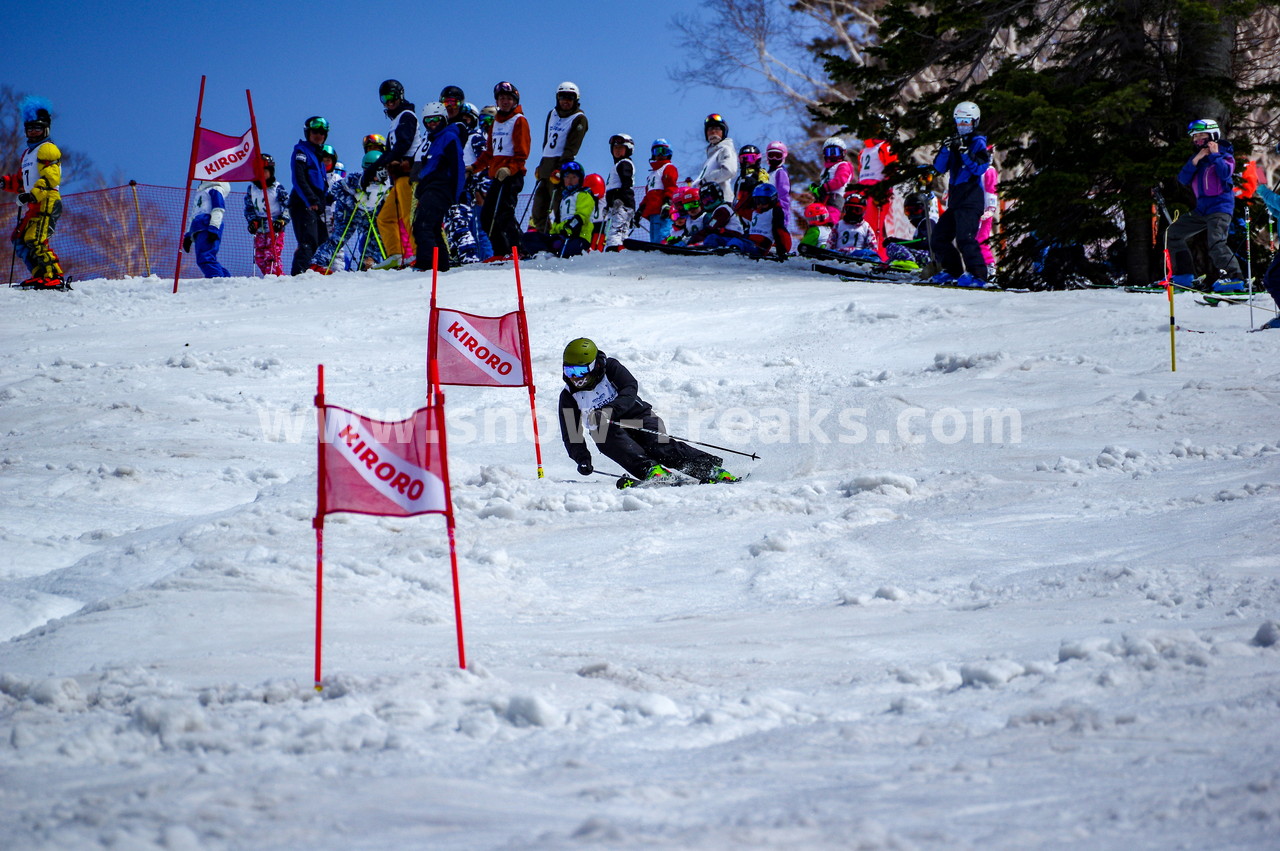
(310, 193)
(440, 177)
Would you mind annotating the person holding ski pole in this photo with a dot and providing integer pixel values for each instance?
(601, 401)
(504, 164)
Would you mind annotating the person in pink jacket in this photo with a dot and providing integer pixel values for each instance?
(838, 171)
(990, 205)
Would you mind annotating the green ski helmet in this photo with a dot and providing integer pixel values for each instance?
(583, 366)
(580, 352)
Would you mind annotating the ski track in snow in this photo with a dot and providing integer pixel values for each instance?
(1068, 640)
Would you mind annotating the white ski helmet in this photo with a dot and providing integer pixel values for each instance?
(835, 142)
(1205, 125)
(568, 88)
(967, 113)
(435, 109)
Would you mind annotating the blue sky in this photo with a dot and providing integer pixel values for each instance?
(124, 77)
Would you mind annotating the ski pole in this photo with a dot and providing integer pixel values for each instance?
(529, 203)
(13, 255)
(1248, 256)
(751, 455)
(342, 240)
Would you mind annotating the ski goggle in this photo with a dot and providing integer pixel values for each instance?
(451, 101)
(486, 120)
(691, 204)
(577, 370)
(318, 125)
(389, 97)
(660, 152)
(750, 159)
(715, 118)
(832, 152)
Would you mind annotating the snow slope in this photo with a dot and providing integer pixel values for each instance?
(894, 635)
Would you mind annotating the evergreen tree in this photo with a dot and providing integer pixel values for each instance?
(1085, 102)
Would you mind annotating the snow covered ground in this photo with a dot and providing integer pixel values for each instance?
(1016, 588)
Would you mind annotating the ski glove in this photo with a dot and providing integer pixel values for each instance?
(278, 226)
(255, 225)
(502, 174)
(26, 198)
(585, 469)
(186, 243)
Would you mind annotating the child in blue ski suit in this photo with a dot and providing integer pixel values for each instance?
(205, 230)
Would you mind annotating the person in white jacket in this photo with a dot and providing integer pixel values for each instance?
(721, 167)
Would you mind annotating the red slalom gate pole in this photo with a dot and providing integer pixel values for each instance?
(528, 362)
(438, 403)
(186, 200)
(318, 522)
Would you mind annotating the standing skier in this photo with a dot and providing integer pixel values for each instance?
(659, 188)
(439, 176)
(1209, 173)
(403, 139)
(562, 136)
(721, 166)
(837, 171)
(310, 193)
(876, 165)
(268, 234)
(619, 191)
(504, 163)
(776, 154)
(37, 187)
(964, 158)
(205, 230)
(601, 400)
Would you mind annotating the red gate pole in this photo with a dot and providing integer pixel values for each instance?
(528, 361)
(259, 172)
(438, 404)
(318, 521)
(191, 166)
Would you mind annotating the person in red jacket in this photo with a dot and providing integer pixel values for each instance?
(504, 163)
(659, 187)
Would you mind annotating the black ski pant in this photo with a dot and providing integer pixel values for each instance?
(498, 216)
(636, 451)
(428, 227)
(310, 231)
(955, 236)
(1214, 226)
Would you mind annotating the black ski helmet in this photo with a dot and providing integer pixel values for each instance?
(315, 122)
(715, 119)
(390, 87)
(452, 92)
(506, 88)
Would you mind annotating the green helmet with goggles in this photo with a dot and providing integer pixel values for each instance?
(583, 366)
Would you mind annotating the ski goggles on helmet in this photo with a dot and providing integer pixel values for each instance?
(389, 97)
(660, 152)
(317, 124)
(749, 159)
(833, 152)
(715, 118)
(374, 140)
(577, 370)
(451, 101)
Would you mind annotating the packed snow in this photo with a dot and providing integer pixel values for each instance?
(1001, 578)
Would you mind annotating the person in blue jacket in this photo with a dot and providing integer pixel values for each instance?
(964, 158)
(440, 174)
(205, 230)
(310, 193)
(1209, 173)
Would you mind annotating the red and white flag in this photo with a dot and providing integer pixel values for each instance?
(220, 157)
(484, 351)
(394, 469)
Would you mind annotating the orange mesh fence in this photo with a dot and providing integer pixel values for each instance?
(135, 230)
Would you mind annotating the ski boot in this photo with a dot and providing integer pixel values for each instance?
(971, 281)
(721, 476)
(1229, 285)
(943, 279)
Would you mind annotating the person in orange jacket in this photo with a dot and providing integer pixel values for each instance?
(504, 162)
